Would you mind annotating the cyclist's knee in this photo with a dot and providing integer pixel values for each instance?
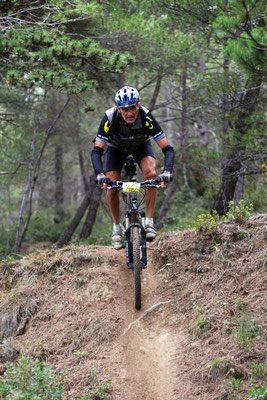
(114, 175)
(148, 167)
(149, 173)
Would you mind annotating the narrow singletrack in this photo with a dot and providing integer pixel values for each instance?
(148, 345)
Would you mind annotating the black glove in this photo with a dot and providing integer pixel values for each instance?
(165, 176)
(102, 178)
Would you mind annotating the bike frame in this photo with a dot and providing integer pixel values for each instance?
(134, 217)
(135, 234)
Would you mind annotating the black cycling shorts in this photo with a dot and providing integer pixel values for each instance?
(115, 158)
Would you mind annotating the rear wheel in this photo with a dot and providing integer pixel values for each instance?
(136, 267)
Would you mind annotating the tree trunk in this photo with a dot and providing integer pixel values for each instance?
(239, 189)
(201, 112)
(59, 191)
(225, 101)
(169, 116)
(34, 167)
(88, 201)
(233, 168)
(81, 159)
(184, 123)
(155, 93)
(69, 231)
(167, 199)
(121, 80)
(91, 213)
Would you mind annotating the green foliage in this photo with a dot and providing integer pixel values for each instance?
(239, 213)
(258, 392)
(217, 368)
(55, 47)
(238, 303)
(235, 383)
(208, 222)
(31, 379)
(201, 324)
(258, 370)
(101, 233)
(186, 205)
(256, 193)
(7, 238)
(98, 389)
(247, 330)
(43, 228)
(240, 26)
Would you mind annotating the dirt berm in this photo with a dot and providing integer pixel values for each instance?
(198, 336)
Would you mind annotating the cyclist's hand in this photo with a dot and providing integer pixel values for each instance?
(165, 177)
(102, 179)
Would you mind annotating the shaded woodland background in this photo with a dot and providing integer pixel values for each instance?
(199, 67)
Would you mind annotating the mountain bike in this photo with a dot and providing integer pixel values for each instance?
(134, 224)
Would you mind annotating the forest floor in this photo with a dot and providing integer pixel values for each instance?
(198, 336)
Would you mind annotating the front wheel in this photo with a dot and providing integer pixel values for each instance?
(136, 267)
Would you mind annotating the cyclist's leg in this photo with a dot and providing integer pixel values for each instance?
(114, 162)
(145, 157)
(113, 197)
(148, 167)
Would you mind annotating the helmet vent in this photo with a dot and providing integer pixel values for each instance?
(126, 97)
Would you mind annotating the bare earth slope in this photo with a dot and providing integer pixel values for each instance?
(200, 329)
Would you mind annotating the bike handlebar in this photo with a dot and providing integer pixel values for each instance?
(147, 183)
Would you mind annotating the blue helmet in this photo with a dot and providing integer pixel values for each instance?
(127, 97)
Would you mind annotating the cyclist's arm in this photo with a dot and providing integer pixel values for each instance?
(96, 157)
(162, 143)
(168, 154)
(100, 141)
(154, 130)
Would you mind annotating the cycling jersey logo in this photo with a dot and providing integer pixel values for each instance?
(106, 126)
(148, 123)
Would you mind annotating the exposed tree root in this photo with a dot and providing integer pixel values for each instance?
(150, 309)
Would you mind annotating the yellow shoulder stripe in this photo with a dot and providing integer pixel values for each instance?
(106, 126)
(150, 126)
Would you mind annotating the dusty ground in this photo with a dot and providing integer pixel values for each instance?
(73, 308)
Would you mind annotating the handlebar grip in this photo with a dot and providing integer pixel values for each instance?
(166, 178)
(102, 179)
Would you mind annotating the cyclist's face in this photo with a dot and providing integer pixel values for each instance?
(129, 114)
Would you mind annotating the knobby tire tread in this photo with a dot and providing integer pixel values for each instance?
(136, 267)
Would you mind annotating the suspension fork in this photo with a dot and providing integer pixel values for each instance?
(129, 254)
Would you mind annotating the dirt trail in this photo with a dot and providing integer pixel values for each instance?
(148, 346)
(81, 308)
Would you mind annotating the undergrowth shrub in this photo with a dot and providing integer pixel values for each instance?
(247, 330)
(201, 324)
(258, 392)
(239, 213)
(98, 389)
(7, 239)
(258, 371)
(43, 228)
(207, 222)
(31, 379)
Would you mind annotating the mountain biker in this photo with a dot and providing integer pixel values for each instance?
(126, 129)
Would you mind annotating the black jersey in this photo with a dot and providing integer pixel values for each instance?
(114, 131)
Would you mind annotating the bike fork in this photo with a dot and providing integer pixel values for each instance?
(129, 255)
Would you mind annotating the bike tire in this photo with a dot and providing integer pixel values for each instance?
(136, 267)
